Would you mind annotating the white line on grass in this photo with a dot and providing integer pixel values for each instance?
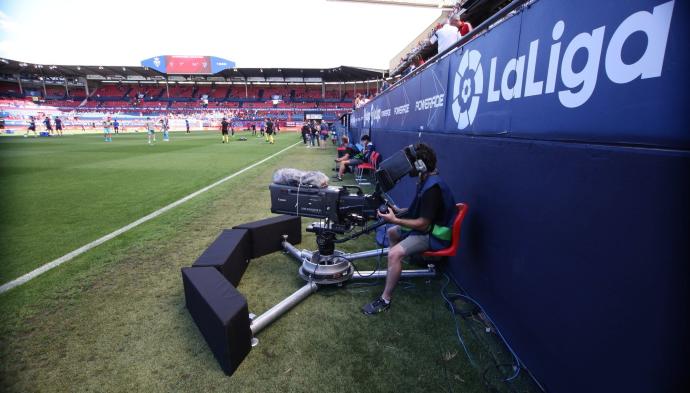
(50, 265)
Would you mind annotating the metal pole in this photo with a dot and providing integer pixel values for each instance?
(299, 255)
(281, 308)
(19, 81)
(366, 254)
(373, 275)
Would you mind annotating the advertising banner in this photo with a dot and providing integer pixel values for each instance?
(556, 72)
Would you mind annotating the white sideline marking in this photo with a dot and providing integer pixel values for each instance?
(50, 265)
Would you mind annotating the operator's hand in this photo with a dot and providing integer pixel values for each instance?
(389, 216)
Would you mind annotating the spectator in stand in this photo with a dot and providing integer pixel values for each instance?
(447, 35)
(465, 27)
(384, 85)
(357, 103)
(58, 125)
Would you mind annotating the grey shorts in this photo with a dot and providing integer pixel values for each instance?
(414, 244)
(354, 162)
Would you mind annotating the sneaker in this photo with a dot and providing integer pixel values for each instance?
(337, 178)
(375, 307)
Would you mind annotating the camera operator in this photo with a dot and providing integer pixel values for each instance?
(354, 157)
(426, 224)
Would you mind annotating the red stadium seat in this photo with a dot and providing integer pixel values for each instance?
(455, 240)
(369, 166)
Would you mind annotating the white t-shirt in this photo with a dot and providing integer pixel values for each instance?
(446, 36)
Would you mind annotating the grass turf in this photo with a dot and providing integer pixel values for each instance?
(61, 193)
(114, 319)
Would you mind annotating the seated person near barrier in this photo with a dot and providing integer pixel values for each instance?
(354, 156)
(426, 225)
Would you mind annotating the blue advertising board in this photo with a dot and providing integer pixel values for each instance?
(565, 129)
(557, 72)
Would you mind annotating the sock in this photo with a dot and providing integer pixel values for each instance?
(387, 301)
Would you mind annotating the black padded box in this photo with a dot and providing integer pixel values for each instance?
(220, 313)
(229, 253)
(267, 234)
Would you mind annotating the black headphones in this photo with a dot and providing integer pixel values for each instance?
(418, 164)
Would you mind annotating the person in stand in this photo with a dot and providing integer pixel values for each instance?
(354, 156)
(269, 131)
(107, 129)
(31, 127)
(150, 130)
(426, 225)
(186, 123)
(224, 125)
(464, 27)
(116, 126)
(447, 35)
(58, 125)
(48, 125)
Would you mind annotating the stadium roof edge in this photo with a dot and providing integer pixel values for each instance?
(135, 73)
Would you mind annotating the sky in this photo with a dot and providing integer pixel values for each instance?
(258, 33)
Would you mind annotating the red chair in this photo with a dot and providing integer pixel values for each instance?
(370, 166)
(455, 239)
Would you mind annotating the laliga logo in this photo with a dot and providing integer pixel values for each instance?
(521, 79)
(465, 96)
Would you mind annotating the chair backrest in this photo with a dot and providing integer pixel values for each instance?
(455, 239)
(375, 159)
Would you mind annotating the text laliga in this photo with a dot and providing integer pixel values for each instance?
(580, 85)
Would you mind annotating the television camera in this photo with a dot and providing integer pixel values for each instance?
(340, 210)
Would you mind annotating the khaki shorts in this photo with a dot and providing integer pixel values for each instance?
(414, 244)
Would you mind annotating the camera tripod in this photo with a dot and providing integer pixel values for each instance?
(327, 266)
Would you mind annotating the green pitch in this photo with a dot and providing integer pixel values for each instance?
(61, 193)
(113, 319)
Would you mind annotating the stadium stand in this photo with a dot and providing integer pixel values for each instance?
(44, 91)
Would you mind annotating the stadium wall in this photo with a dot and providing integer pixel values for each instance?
(576, 241)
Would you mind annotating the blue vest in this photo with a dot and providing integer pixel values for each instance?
(440, 231)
